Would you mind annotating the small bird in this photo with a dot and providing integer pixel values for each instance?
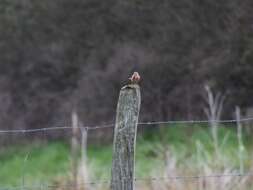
(135, 78)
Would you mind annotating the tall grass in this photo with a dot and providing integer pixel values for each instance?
(196, 155)
(161, 152)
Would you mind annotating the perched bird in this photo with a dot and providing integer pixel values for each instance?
(135, 78)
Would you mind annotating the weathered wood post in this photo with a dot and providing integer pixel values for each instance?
(239, 137)
(83, 176)
(74, 147)
(124, 138)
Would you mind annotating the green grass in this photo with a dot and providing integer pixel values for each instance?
(33, 163)
(45, 162)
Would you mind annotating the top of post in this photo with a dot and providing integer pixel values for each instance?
(133, 81)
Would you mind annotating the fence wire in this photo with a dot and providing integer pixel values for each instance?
(96, 127)
(107, 181)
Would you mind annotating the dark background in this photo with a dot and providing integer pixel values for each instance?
(59, 55)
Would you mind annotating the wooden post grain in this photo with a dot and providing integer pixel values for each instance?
(125, 137)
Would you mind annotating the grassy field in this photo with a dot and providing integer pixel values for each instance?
(176, 150)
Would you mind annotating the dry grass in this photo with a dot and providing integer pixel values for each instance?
(197, 161)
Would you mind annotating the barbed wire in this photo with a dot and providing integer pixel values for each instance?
(165, 178)
(173, 178)
(54, 128)
(112, 125)
(194, 121)
(195, 177)
(140, 124)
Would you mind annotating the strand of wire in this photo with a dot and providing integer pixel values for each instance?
(53, 129)
(166, 178)
(194, 121)
(112, 125)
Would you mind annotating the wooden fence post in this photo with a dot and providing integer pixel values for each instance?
(125, 137)
(74, 147)
(239, 137)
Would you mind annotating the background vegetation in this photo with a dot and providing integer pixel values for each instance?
(61, 55)
(56, 55)
(172, 151)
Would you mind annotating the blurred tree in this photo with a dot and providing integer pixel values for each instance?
(56, 55)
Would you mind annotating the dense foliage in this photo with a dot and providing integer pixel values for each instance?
(56, 55)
